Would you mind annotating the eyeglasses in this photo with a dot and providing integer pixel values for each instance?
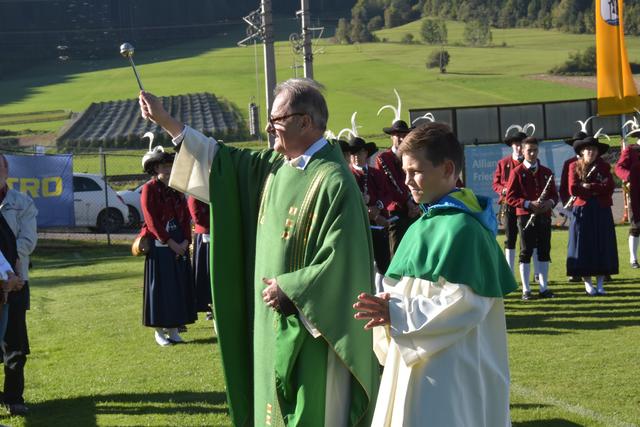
(274, 120)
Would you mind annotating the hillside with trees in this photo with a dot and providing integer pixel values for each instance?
(575, 16)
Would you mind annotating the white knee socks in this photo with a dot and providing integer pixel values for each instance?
(543, 275)
(588, 286)
(633, 248)
(525, 272)
(510, 255)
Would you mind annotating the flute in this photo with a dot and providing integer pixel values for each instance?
(542, 197)
(572, 199)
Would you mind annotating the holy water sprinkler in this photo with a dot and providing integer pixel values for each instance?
(127, 50)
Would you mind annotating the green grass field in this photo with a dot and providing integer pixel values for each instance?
(357, 77)
(93, 363)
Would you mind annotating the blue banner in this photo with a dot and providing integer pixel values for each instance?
(48, 180)
(481, 161)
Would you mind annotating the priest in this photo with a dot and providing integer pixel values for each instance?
(290, 250)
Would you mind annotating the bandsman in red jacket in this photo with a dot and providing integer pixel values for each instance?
(500, 180)
(532, 191)
(592, 248)
(629, 158)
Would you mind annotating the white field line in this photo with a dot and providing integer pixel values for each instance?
(568, 407)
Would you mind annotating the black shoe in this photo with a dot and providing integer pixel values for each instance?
(635, 264)
(607, 278)
(591, 295)
(17, 409)
(575, 279)
(526, 296)
(546, 294)
(601, 293)
(209, 316)
(182, 328)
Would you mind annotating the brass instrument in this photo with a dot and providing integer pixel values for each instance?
(542, 198)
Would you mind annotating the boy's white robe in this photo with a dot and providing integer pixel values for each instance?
(444, 355)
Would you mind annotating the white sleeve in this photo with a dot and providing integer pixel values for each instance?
(192, 165)
(27, 235)
(422, 326)
(5, 267)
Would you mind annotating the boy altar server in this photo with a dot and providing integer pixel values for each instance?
(440, 325)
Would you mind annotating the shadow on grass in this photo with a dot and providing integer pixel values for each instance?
(473, 74)
(209, 341)
(552, 422)
(84, 410)
(69, 280)
(573, 311)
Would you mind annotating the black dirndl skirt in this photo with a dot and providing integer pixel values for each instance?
(592, 249)
(168, 299)
(201, 272)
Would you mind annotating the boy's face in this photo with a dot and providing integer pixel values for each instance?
(427, 182)
(530, 152)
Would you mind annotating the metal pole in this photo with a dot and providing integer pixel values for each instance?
(306, 37)
(269, 59)
(103, 172)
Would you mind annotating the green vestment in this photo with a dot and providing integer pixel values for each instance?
(456, 239)
(308, 229)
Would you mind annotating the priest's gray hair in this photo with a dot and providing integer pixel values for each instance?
(305, 96)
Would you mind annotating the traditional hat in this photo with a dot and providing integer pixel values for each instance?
(590, 140)
(398, 126)
(581, 134)
(155, 155)
(427, 116)
(520, 134)
(356, 144)
(332, 138)
(635, 126)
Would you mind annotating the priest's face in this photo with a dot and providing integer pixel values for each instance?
(288, 127)
(426, 181)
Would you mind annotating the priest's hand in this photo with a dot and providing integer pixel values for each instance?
(151, 109)
(373, 308)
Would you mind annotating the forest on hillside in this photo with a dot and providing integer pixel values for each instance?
(576, 16)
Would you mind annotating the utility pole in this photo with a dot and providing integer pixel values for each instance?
(269, 58)
(306, 37)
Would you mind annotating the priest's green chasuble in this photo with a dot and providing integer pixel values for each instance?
(308, 229)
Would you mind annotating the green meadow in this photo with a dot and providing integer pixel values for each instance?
(357, 77)
(572, 359)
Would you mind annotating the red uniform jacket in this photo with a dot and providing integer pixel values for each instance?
(199, 215)
(525, 185)
(160, 204)
(634, 195)
(564, 181)
(376, 187)
(501, 176)
(389, 165)
(628, 158)
(601, 181)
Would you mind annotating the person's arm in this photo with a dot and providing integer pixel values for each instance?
(424, 325)
(152, 212)
(515, 196)
(575, 184)
(623, 165)
(606, 186)
(192, 165)
(497, 180)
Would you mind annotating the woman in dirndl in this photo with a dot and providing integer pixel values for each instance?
(593, 250)
(169, 300)
(201, 271)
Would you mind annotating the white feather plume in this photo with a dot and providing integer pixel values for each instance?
(600, 133)
(633, 132)
(354, 128)
(151, 136)
(528, 126)
(329, 134)
(427, 116)
(397, 111)
(510, 128)
(583, 124)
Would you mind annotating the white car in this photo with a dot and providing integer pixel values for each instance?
(132, 199)
(90, 204)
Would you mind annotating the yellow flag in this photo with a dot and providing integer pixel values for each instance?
(617, 92)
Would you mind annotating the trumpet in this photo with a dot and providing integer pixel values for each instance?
(543, 197)
(572, 199)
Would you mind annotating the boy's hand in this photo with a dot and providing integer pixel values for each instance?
(373, 308)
